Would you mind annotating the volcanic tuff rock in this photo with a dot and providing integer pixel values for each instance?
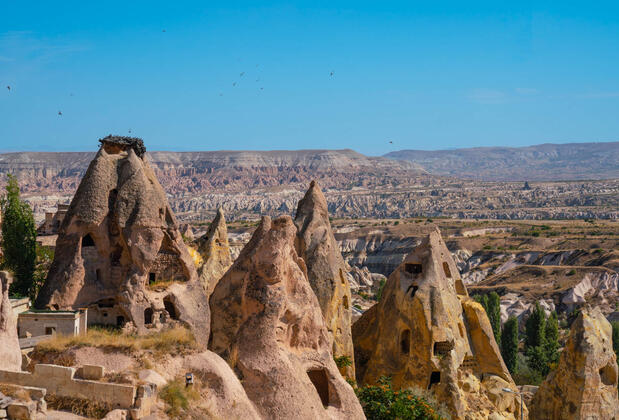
(215, 251)
(427, 332)
(326, 270)
(268, 325)
(584, 384)
(10, 354)
(118, 236)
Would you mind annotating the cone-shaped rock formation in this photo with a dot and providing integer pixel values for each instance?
(215, 251)
(426, 332)
(118, 241)
(10, 354)
(326, 270)
(268, 325)
(584, 384)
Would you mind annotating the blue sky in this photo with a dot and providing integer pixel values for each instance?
(257, 75)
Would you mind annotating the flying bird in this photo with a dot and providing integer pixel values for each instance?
(234, 84)
(331, 74)
(59, 112)
(129, 131)
(242, 73)
(9, 88)
(390, 142)
(163, 30)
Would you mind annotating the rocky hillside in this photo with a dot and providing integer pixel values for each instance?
(544, 162)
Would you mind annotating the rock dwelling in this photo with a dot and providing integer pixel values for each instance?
(119, 250)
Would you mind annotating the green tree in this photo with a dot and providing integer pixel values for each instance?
(536, 328)
(537, 360)
(494, 315)
(552, 338)
(18, 238)
(509, 344)
(615, 325)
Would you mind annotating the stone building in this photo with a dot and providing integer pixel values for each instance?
(52, 222)
(119, 252)
(35, 323)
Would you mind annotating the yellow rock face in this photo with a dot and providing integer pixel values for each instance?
(426, 332)
(326, 271)
(215, 252)
(584, 385)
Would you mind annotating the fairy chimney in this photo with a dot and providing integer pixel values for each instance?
(426, 332)
(215, 252)
(119, 251)
(10, 354)
(268, 326)
(326, 271)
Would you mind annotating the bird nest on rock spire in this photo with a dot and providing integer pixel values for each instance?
(135, 143)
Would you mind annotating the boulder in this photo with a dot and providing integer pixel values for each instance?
(267, 324)
(119, 251)
(215, 252)
(10, 354)
(584, 384)
(426, 332)
(327, 272)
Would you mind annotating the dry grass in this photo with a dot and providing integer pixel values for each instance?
(15, 392)
(177, 397)
(78, 406)
(177, 340)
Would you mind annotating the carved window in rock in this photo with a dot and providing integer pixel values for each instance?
(120, 321)
(148, 316)
(87, 241)
(152, 277)
(405, 342)
(412, 289)
(435, 378)
(342, 276)
(447, 270)
(98, 275)
(441, 348)
(321, 383)
(608, 374)
(412, 268)
(169, 306)
(345, 302)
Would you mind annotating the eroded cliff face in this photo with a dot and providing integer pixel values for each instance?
(584, 384)
(326, 270)
(119, 238)
(215, 252)
(267, 324)
(10, 354)
(426, 332)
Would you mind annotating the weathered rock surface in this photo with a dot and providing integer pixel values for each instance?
(326, 271)
(118, 236)
(223, 396)
(426, 332)
(584, 384)
(215, 251)
(10, 354)
(267, 324)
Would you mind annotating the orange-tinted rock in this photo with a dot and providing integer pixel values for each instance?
(426, 332)
(118, 236)
(268, 326)
(326, 271)
(584, 384)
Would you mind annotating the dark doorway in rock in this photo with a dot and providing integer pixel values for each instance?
(87, 241)
(120, 321)
(148, 316)
(411, 268)
(152, 277)
(98, 275)
(405, 342)
(412, 289)
(50, 330)
(345, 301)
(608, 374)
(435, 378)
(447, 270)
(169, 306)
(321, 383)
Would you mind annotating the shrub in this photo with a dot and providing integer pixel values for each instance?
(379, 292)
(342, 361)
(177, 397)
(381, 402)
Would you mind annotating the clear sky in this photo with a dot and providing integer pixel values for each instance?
(206, 75)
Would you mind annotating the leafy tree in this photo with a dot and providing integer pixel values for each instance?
(552, 339)
(615, 325)
(538, 360)
(494, 314)
(18, 238)
(45, 257)
(536, 328)
(509, 344)
(381, 402)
